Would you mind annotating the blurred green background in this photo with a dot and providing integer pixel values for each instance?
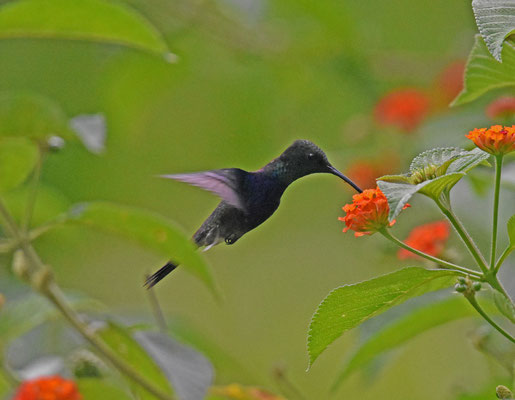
(251, 77)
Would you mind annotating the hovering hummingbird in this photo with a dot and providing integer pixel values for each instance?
(249, 198)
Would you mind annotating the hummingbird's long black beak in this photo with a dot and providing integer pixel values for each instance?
(334, 171)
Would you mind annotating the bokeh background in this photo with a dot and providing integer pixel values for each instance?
(251, 77)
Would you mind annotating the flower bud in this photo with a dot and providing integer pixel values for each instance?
(503, 393)
(460, 287)
(476, 286)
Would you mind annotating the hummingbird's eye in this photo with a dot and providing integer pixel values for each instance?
(311, 156)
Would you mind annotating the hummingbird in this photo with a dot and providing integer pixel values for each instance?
(249, 198)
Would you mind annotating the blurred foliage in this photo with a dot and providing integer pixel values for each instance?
(249, 77)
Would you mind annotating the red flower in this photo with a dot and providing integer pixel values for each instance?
(48, 388)
(365, 172)
(368, 213)
(503, 107)
(450, 80)
(428, 238)
(402, 108)
(494, 140)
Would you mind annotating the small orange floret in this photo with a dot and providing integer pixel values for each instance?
(503, 107)
(48, 388)
(402, 108)
(495, 140)
(368, 213)
(428, 238)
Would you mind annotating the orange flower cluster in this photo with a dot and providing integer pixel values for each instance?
(368, 213)
(503, 107)
(495, 140)
(402, 108)
(48, 388)
(428, 238)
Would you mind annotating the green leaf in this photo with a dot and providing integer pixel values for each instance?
(32, 116)
(97, 389)
(484, 73)
(86, 20)
(504, 305)
(348, 306)
(121, 341)
(511, 230)
(398, 194)
(148, 229)
(18, 156)
(405, 328)
(496, 21)
(424, 176)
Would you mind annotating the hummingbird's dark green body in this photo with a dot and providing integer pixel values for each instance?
(250, 198)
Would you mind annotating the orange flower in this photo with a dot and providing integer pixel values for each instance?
(494, 140)
(238, 392)
(402, 108)
(450, 80)
(48, 388)
(368, 213)
(428, 238)
(503, 107)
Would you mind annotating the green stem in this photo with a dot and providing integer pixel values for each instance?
(156, 309)
(444, 263)
(465, 237)
(498, 169)
(475, 304)
(501, 259)
(31, 201)
(52, 292)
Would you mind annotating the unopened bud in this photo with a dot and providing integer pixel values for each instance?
(87, 365)
(476, 286)
(19, 265)
(462, 279)
(503, 393)
(460, 287)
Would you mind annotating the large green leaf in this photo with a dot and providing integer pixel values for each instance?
(405, 328)
(496, 21)
(121, 341)
(18, 156)
(348, 306)
(31, 115)
(484, 73)
(97, 389)
(90, 20)
(148, 229)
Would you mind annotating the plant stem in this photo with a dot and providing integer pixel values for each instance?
(465, 237)
(498, 168)
(475, 304)
(501, 259)
(31, 201)
(389, 236)
(156, 309)
(53, 293)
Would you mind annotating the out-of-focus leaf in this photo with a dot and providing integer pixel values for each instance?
(504, 305)
(20, 316)
(97, 389)
(18, 156)
(188, 370)
(496, 21)
(146, 228)
(437, 170)
(484, 73)
(511, 230)
(348, 306)
(90, 20)
(91, 129)
(31, 115)
(121, 341)
(405, 328)
(50, 203)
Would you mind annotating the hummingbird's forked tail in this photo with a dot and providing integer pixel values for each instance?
(160, 274)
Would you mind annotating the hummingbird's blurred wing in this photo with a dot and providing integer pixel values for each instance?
(225, 183)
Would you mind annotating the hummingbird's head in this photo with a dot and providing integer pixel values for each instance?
(304, 157)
